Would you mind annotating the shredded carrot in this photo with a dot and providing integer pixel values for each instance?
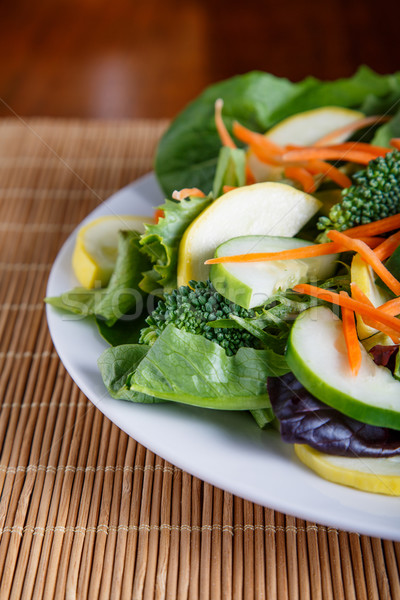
(325, 153)
(388, 246)
(228, 188)
(375, 228)
(265, 155)
(319, 166)
(220, 125)
(350, 336)
(369, 256)
(358, 294)
(301, 175)
(186, 192)
(258, 139)
(392, 307)
(358, 307)
(299, 253)
(250, 179)
(375, 151)
(158, 214)
(349, 128)
(395, 142)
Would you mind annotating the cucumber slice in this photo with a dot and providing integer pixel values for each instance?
(317, 355)
(251, 284)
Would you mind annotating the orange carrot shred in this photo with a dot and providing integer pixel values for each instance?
(301, 175)
(258, 139)
(369, 256)
(388, 246)
(299, 253)
(358, 294)
(228, 188)
(319, 166)
(395, 142)
(250, 179)
(186, 192)
(392, 307)
(349, 128)
(350, 336)
(325, 153)
(158, 214)
(220, 125)
(375, 228)
(358, 307)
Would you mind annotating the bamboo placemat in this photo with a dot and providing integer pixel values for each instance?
(85, 511)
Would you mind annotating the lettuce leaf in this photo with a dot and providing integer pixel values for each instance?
(188, 368)
(116, 366)
(187, 155)
(305, 420)
(160, 242)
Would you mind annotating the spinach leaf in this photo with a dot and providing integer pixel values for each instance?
(122, 295)
(305, 420)
(187, 155)
(116, 367)
(231, 169)
(188, 368)
(160, 242)
(124, 331)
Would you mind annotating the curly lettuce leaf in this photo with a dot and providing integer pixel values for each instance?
(305, 420)
(187, 155)
(160, 242)
(190, 369)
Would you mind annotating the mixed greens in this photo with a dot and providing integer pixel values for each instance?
(234, 336)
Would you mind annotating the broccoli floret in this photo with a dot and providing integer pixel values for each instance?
(375, 195)
(191, 308)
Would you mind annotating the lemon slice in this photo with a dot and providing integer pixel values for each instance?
(96, 247)
(303, 129)
(377, 475)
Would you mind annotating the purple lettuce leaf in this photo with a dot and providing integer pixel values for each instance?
(305, 420)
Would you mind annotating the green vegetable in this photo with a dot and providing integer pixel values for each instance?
(191, 309)
(231, 169)
(122, 294)
(126, 330)
(187, 155)
(387, 131)
(116, 367)
(317, 355)
(375, 196)
(393, 266)
(160, 242)
(188, 368)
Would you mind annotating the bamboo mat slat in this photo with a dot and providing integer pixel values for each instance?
(85, 511)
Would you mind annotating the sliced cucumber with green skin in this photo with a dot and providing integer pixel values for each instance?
(251, 284)
(317, 355)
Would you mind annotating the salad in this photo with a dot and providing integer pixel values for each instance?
(268, 281)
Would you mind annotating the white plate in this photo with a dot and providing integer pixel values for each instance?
(223, 448)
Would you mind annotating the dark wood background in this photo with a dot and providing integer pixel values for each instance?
(148, 58)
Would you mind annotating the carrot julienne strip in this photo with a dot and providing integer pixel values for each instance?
(392, 307)
(375, 228)
(223, 133)
(186, 192)
(395, 142)
(302, 252)
(388, 246)
(301, 175)
(258, 139)
(358, 307)
(319, 166)
(228, 188)
(354, 126)
(369, 256)
(350, 336)
(301, 154)
(158, 214)
(358, 294)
